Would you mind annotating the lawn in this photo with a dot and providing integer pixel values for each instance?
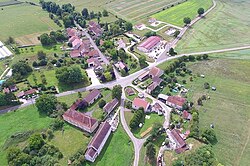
(117, 151)
(50, 76)
(24, 19)
(225, 27)
(176, 14)
(69, 142)
(70, 99)
(228, 108)
(25, 119)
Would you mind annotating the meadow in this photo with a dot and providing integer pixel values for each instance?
(138, 9)
(226, 26)
(24, 19)
(176, 14)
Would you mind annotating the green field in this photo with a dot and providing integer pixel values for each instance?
(20, 20)
(228, 108)
(225, 27)
(137, 10)
(25, 119)
(176, 14)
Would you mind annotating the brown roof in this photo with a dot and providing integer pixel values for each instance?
(29, 92)
(75, 105)
(93, 53)
(110, 105)
(186, 115)
(91, 152)
(20, 94)
(93, 94)
(143, 75)
(179, 101)
(80, 118)
(75, 54)
(155, 72)
(156, 82)
(71, 32)
(177, 138)
(100, 135)
(130, 91)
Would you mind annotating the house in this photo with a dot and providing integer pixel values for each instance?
(98, 141)
(6, 90)
(13, 88)
(80, 120)
(121, 66)
(26, 93)
(75, 54)
(186, 115)
(176, 141)
(71, 32)
(92, 62)
(76, 43)
(92, 96)
(121, 44)
(140, 103)
(144, 76)
(176, 102)
(71, 39)
(155, 72)
(157, 108)
(149, 44)
(76, 104)
(110, 106)
(156, 82)
(130, 91)
(139, 26)
(162, 98)
(95, 28)
(152, 20)
(93, 54)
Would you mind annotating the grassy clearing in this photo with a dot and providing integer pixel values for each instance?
(69, 142)
(176, 14)
(117, 151)
(228, 107)
(25, 119)
(226, 26)
(24, 19)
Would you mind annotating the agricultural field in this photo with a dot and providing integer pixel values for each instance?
(226, 26)
(176, 14)
(23, 120)
(21, 20)
(138, 9)
(228, 108)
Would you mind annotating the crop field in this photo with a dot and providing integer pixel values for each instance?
(21, 20)
(228, 108)
(137, 9)
(225, 27)
(176, 14)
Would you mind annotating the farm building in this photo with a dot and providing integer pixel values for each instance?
(155, 72)
(110, 106)
(173, 101)
(149, 44)
(4, 51)
(140, 103)
(143, 77)
(156, 82)
(80, 120)
(92, 96)
(176, 141)
(95, 29)
(98, 141)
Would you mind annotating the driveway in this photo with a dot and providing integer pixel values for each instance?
(92, 76)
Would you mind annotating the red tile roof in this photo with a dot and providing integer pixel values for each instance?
(155, 72)
(71, 32)
(72, 39)
(150, 42)
(93, 94)
(186, 115)
(177, 138)
(81, 119)
(179, 101)
(93, 53)
(140, 103)
(75, 105)
(76, 42)
(75, 54)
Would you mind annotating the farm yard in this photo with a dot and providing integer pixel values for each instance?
(226, 26)
(228, 107)
(21, 20)
(138, 9)
(176, 14)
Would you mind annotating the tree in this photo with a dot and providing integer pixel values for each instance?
(46, 40)
(191, 58)
(22, 68)
(210, 136)
(70, 75)
(117, 92)
(172, 52)
(10, 40)
(102, 103)
(142, 61)
(150, 33)
(128, 26)
(205, 56)
(187, 20)
(206, 85)
(177, 163)
(41, 55)
(105, 13)
(200, 11)
(137, 119)
(85, 13)
(176, 33)
(151, 152)
(108, 76)
(46, 104)
(36, 142)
